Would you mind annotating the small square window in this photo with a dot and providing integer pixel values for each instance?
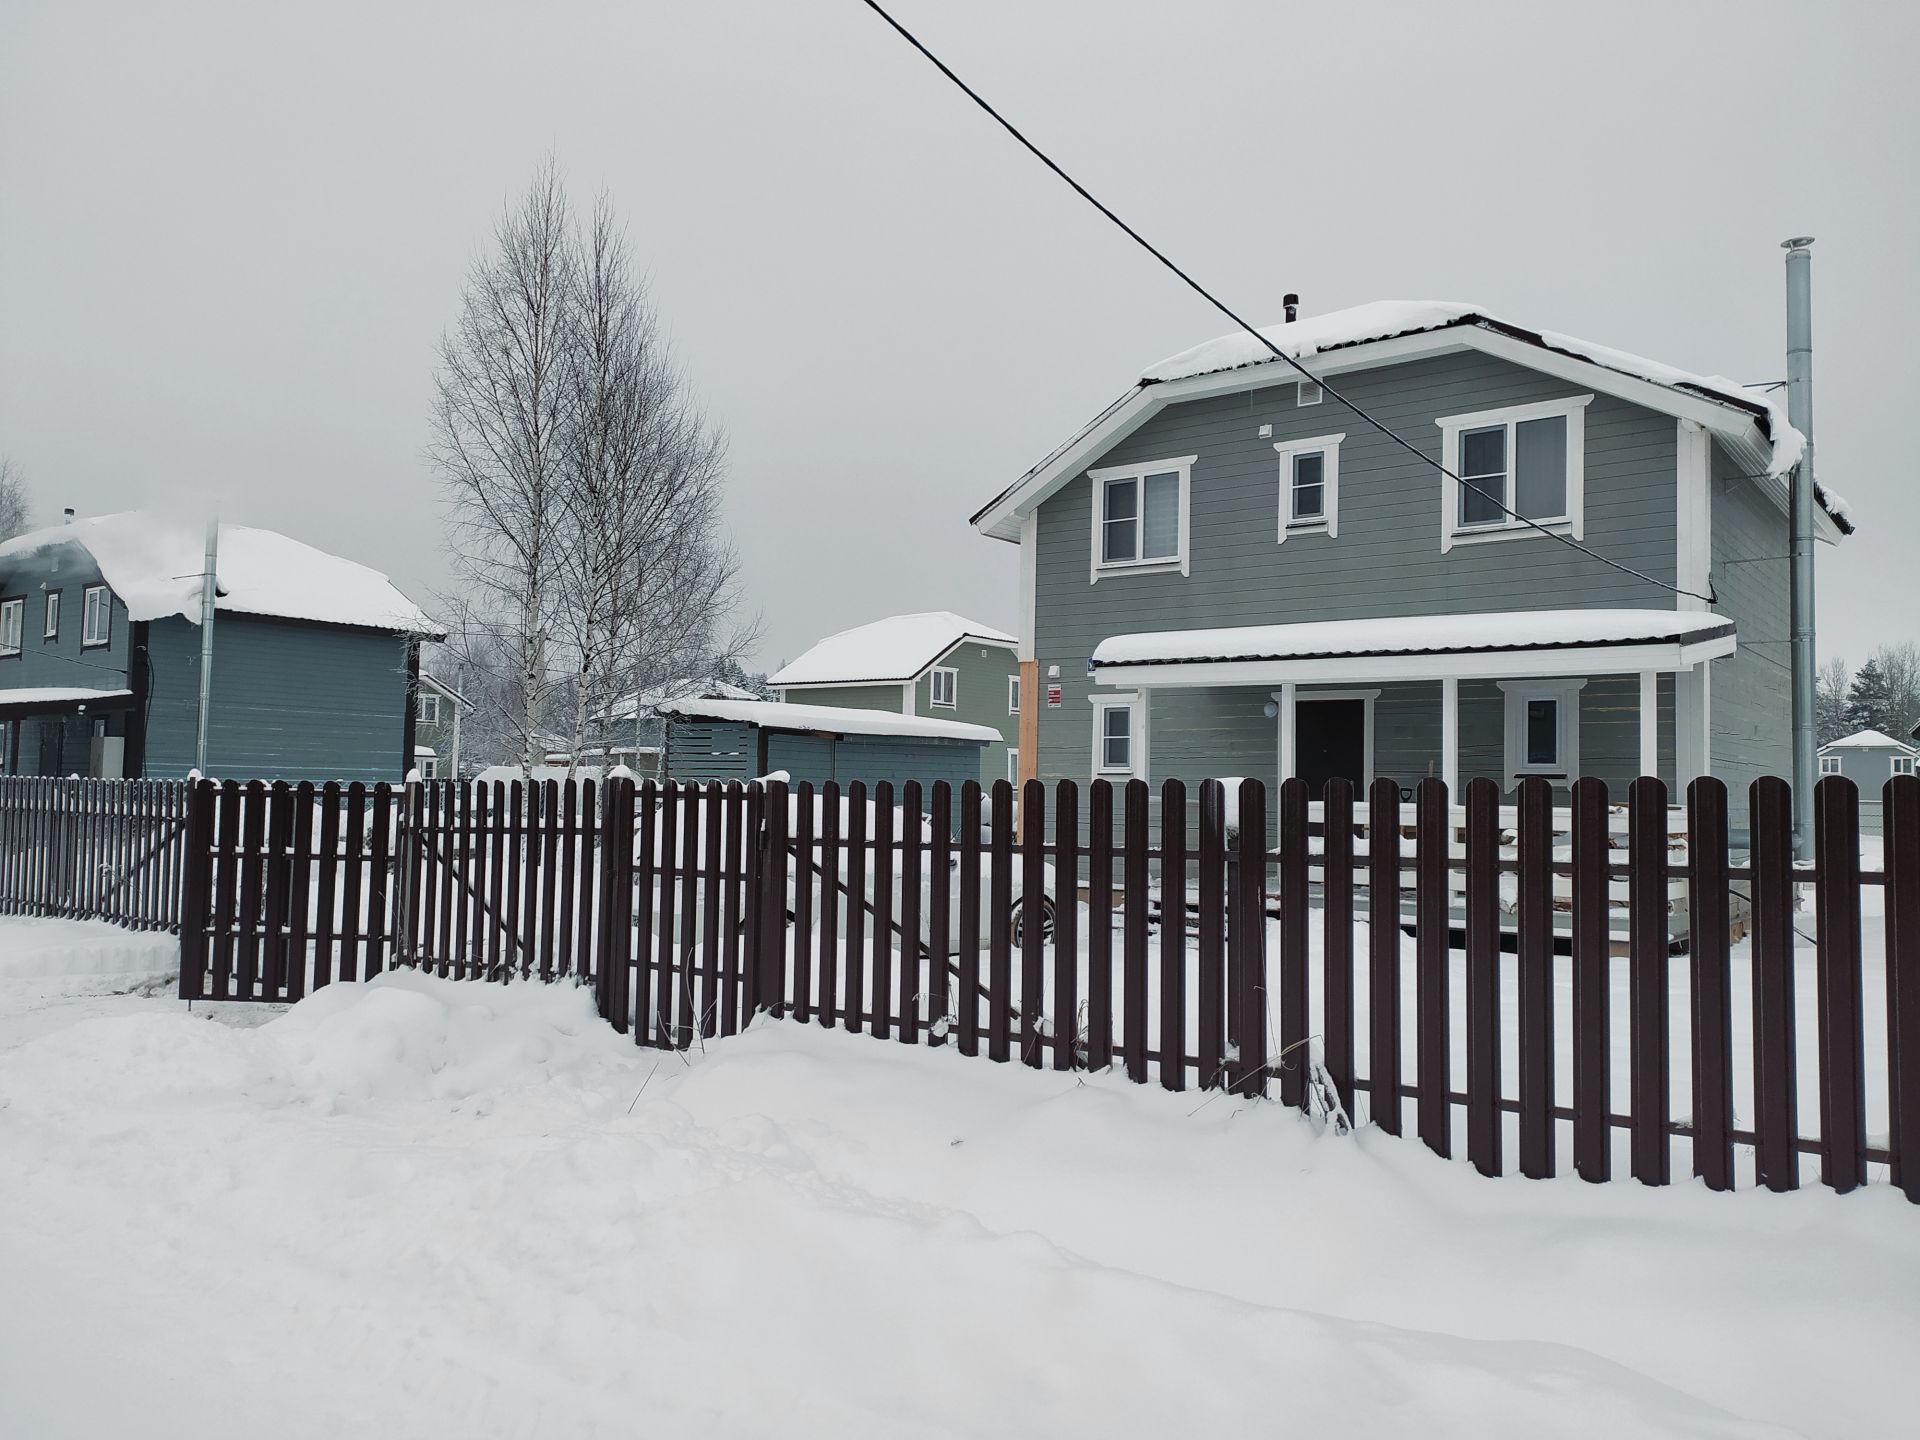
(1140, 516)
(1830, 765)
(1309, 392)
(429, 767)
(52, 629)
(1903, 764)
(429, 710)
(944, 686)
(1013, 694)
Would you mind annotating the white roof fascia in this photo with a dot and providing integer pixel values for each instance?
(1572, 660)
(1736, 425)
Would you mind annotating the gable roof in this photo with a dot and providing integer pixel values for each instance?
(896, 649)
(1869, 740)
(154, 566)
(1751, 422)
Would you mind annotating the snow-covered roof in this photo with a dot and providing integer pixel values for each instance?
(1413, 635)
(702, 688)
(780, 715)
(154, 565)
(897, 648)
(60, 695)
(1751, 411)
(1869, 740)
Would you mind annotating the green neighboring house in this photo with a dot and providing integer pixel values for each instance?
(936, 664)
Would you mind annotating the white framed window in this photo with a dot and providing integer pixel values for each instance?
(1140, 516)
(1543, 729)
(1013, 766)
(428, 710)
(1119, 744)
(97, 623)
(1902, 765)
(1013, 694)
(943, 687)
(1830, 765)
(1309, 392)
(51, 631)
(1529, 459)
(429, 767)
(1309, 485)
(12, 618)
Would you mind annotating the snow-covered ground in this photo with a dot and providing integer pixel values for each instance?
(418, 1207)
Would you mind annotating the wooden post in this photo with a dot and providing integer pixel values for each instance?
(196, 891)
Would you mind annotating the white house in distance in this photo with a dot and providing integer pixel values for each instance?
(1869, 758)
(934, 664)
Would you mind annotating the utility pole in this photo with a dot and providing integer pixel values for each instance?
(1800, 412)
(208, 590)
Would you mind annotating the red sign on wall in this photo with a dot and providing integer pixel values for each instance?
(1053, 697)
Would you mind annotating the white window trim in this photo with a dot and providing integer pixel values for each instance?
(428, 766)
(1013, 764)
(1327, 524)
(1574, 408)
(1134, 702)
(87, 636)
(420, 716)
(1303, 389)
(1181, 561)
(934, 702)
(50, 625)
(1830, 765)
(17, 608)
(1518, 693)
(1900, 765)
(1013, 694)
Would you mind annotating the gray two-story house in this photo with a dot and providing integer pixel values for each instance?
(314, 657)
(1231, 572)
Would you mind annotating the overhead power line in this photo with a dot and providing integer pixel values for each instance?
(1218, 304)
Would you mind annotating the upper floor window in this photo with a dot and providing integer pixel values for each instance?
(52, 628)
(1310, 485)
(1830, 765)
(1903, 764)
(944, 687)
(1013, 694)
(1140, 516)
(12, 617)
(428, 712)
(97, 624)
(1517, 468)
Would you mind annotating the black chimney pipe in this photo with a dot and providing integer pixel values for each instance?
(1292, 302)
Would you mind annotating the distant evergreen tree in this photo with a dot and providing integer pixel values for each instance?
(1870, 701)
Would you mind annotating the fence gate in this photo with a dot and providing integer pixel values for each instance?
(93, 849)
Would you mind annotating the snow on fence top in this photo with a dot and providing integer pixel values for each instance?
(154, 565)
(1385, 319)
(897, 648)
(1868, 740)
(777, 715)
(1412, 635)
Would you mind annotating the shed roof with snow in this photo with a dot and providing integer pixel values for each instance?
(1869, 740)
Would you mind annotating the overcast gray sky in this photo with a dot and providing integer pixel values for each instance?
(231, 235)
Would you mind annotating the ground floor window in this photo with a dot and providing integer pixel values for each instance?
(1013, 766)
(1116, 736)
(1903, 764)
(1543, 729)
(1829, 764)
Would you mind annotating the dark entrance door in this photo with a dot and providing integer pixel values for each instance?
(53, 735)
(1329, 739)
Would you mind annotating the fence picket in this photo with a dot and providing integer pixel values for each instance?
(253, 845)
(732, 903)
(1336, 891)
(773, 939)
(1000, 924)
(1294, 1062)
(1592, 984)
(1383, 954)
(940, 867)
(686, 952)
(1709, 933)
(831, 899)
(1210, 948)
(1133, 972)
(1066, 926)
(1100, 925)
(1483, 975)
(1432, 991)
(967, 996)
(1776, 1120)
(1900, 825)
(352, 863)
(853, 1004)
(1247, 943)
(1843, 1075)
(1173, 935)
(1533, 925)
(1032, 938)
(912, 837)
(880, 988)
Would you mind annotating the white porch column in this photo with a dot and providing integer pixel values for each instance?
(1450, 737)
(1288, 760)
(1649, 723)
(1692, 725)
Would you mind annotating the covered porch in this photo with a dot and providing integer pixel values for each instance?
(61, 730)
(1558, 694)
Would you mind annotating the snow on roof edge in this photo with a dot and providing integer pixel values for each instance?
(892, 649)
(785, 715)
(1868, 739)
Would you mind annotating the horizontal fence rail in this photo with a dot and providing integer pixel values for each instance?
(1595, 987)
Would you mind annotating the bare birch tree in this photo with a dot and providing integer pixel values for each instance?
(13, 500)
(501, 448)
(646, 573)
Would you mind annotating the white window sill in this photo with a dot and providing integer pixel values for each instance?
(1307, 527)
(1492, 534)
(1140, 567)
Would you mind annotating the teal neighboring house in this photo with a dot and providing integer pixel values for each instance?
(935, 665)
(315, 658)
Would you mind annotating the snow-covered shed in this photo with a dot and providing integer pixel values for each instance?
(739, 739)
(314, 655)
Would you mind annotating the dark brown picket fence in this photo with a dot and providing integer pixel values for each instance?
(1527, 986)
(93, 849)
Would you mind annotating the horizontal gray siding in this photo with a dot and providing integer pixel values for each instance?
(730, 752)
(68, 569)
(1752, 699)
(1386, 559)
(290, 701)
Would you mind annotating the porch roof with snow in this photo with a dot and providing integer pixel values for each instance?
(1419, 647)
(827, 720)
(1750, 422)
